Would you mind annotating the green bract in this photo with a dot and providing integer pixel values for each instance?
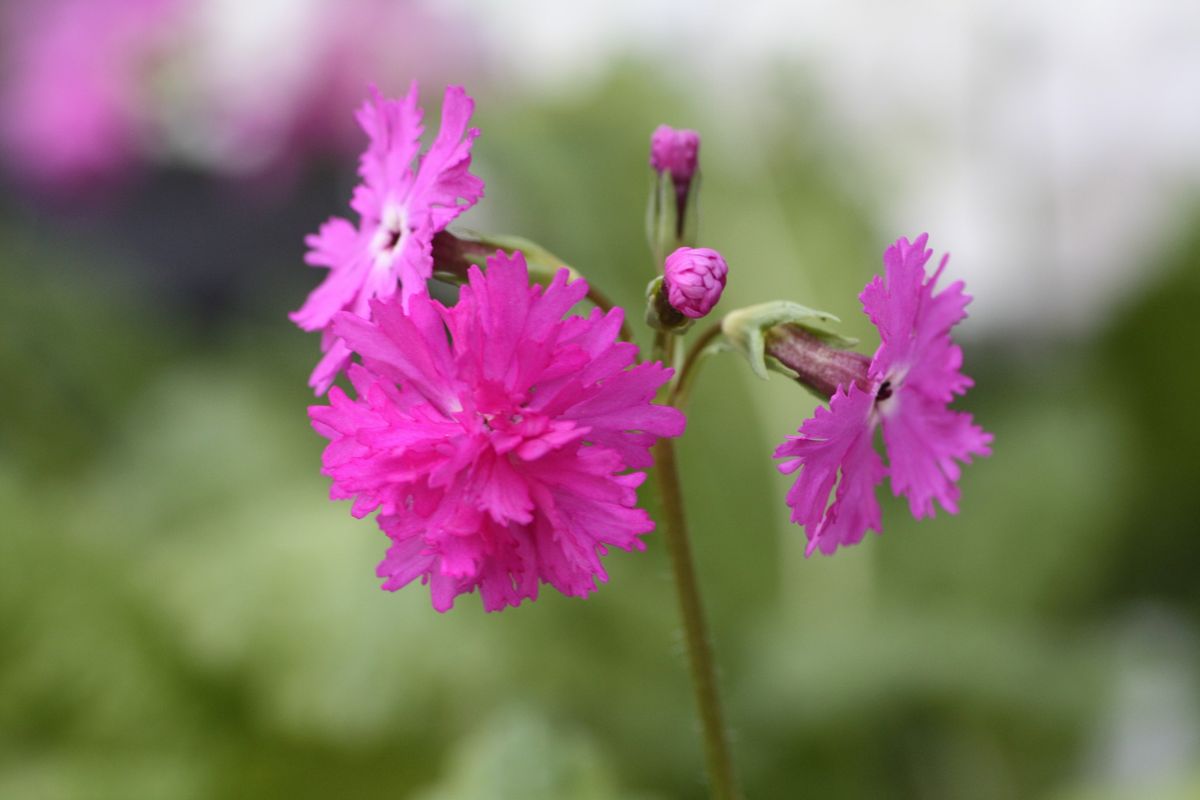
(745, 329)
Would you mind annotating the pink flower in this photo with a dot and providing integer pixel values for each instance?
(675, 151)
(496, 456)
(911, 380)
(694, 279)
(400, 209)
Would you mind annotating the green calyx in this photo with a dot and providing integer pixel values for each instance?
(746, 331)
(672, 221)
(660, 315)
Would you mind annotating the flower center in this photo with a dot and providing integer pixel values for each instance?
(885, 395)
(394, 228)
(510, 428)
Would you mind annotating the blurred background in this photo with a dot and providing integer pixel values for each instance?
(183, 613)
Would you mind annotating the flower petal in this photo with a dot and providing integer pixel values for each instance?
(924, 441)
(835, 440)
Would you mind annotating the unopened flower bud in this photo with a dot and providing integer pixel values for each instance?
(671, 219)
(675, 151)
(694, 279)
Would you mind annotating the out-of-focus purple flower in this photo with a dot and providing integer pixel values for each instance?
(497, 457)
(74, 108)
(906, 389)
(94, 89)
(400, 208)
(694, 278)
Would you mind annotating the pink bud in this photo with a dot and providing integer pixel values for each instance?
(675, 150)
(694, 279)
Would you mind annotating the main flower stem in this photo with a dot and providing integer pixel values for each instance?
(696, 636)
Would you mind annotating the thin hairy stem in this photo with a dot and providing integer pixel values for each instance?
(701, 663)
(699, 644)
(681, 388)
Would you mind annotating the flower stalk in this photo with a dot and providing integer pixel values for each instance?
(680, 390)
(697, 640)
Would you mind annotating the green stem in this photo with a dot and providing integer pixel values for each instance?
(696, 637)
(699, 644)
(658, 351)
(681, 387)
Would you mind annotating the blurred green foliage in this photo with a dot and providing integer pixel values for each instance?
(183, 614)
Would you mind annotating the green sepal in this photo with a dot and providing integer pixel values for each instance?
(665, 231)
(746, 329)
(660, 316)
(660, 218)
(689, 233)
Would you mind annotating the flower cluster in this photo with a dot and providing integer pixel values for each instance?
(905, 389)
(494, 437)
(497, 459)
(500, 440)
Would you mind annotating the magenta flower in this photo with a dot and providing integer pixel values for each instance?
(497, 457)
(911, 380)
(694, 279)
(400, 209)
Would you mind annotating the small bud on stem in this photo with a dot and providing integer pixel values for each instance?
(694, 279)
(676, 152)
(671, 215)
